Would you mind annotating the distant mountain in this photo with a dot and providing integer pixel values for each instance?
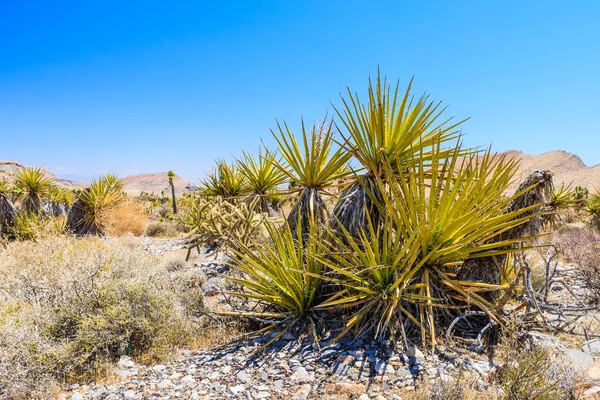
(9, 168)
(566, 167)
(155, 182)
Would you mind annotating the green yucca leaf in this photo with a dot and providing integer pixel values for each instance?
(34, 186)
(95, 201)
(226, 180)
(311, 162)
(392, 127)
(284, 277)
(260, 173)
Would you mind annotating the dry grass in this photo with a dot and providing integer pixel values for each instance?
(128, 217)
(69, 307)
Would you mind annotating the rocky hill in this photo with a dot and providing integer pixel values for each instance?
(9, 168)
(155, 182)
(567, 168)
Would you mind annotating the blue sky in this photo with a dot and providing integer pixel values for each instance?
(146, 86)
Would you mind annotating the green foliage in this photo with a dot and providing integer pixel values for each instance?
(94, 203)
(34, 186)
(285, 277)
(226, 181)
(262, 177)
(27, 226)
(532, 377)
(393, 127)
(213, 220)
(593, 209)
(313, 164)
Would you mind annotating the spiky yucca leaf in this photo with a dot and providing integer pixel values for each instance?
(405, 269)
(284, 278)
(593, 209)
(393, 127)
(262, 176)
(310, 166)
(226, 181)
(88, 214)
(313, 163)
(35, 187)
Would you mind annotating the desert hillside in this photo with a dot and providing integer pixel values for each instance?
(134, 185)
(567, 168)
(9, 168)
(154, 182)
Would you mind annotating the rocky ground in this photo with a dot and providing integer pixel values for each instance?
(299, 369)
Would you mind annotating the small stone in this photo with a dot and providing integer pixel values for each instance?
(243, 376)
(301, 374)
(302, 393)
(364, 396)
(226, 369)
(383, 368)
(128, 394)
(175, 376)
(579, 359)
(278, 384)
(77, 396)
(264, 376)
(262, 395)
(237, 389)
(165, 384)
(591, 347)
(346, 388)
(159, 367)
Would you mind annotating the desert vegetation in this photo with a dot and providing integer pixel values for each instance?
(375, 226)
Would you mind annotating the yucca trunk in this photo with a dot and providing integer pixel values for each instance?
(174, 198)
(32, 204)
(487, 269)
(309, 209)
(54, 209)
(355, 204)
(8, 212)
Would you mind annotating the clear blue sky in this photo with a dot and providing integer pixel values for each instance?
(144, 86)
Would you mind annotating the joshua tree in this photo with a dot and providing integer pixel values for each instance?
(171, 176)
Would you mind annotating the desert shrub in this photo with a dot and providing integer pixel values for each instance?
(27, 226)
(537, 374)
(581, 246)
(68, 307)
(126, 217)
(164, 229)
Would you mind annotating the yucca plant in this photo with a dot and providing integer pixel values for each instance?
(283, 278)
(403, 272)
(390, 128)
(226, 181)
(262, 177)
(59, 200)
(88, 214)
(561, 200)
(593, 209)
(35, 188)
(8, 212)
(311, 166)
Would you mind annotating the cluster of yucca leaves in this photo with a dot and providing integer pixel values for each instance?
(38, 202)
(415, 208)
(88, 214)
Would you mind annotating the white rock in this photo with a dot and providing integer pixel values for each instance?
(77, 396)
(237, 389)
